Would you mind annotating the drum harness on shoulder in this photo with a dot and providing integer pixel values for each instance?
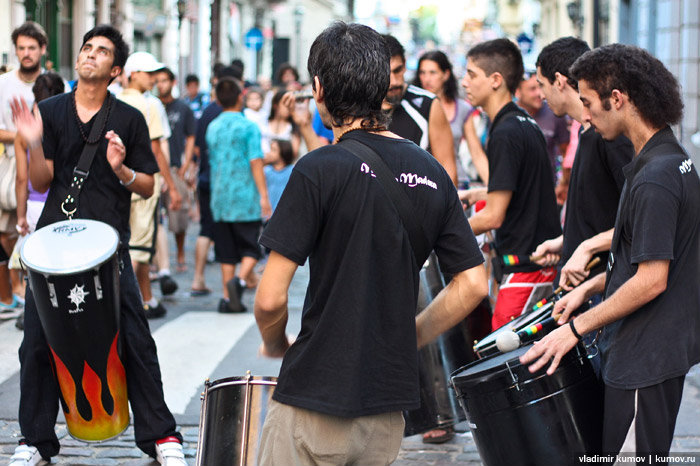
(69, 206)
(402, 203)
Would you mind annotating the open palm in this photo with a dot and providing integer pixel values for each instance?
(27, 121)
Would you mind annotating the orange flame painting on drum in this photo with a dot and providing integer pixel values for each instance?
(108, 411)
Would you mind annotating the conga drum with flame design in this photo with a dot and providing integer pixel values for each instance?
(74, 276)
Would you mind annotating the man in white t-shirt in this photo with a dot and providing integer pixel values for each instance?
(30, 42)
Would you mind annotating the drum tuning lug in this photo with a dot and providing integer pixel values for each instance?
(513, 377)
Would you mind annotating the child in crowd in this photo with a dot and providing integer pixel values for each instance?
(278, 168)
(254, 111)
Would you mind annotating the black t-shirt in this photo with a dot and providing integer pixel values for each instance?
(594, 188)
(356, 352)
(182, 125)
(410, 118)
(102, 197)
(518, 162)
(660, 221)
(212, 111)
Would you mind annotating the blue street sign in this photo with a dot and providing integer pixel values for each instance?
(254, 39)
(525, 42)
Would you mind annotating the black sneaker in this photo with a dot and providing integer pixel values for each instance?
(168, 286)
(154, 312)
(229, 307)
(235, 293)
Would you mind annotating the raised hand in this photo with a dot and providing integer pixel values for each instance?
(27, 121)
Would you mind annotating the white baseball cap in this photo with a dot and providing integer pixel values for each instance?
(142, 61)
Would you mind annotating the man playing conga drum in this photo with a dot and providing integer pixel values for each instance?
(123, 164)
(353, 368)
(649, 319)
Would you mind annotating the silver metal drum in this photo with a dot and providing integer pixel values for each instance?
(74, 276)
(437, 360)
(231, 420)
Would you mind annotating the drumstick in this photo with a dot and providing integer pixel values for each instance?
(509, 341)
(517, 259)
(594, 262)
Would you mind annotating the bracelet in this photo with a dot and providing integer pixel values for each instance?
(573, 329)
(133, 178)
(34, 144)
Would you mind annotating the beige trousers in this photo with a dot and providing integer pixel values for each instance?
(299, 437)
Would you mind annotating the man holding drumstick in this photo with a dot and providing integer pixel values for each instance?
(123, 164)
(596, 177)
(649, 319)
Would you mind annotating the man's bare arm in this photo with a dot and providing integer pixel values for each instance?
(271, 300)
(464, 292)
(491, 217)
(441, 141)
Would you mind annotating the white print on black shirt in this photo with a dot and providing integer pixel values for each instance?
(410, 179)
(685, 166)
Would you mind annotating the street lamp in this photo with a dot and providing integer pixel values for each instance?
(298, 16)
(181, 10)
(573, 9)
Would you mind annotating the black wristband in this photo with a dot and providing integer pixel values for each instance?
(573, 329)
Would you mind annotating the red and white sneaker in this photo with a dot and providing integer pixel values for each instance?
(169, 452)
(27, 456)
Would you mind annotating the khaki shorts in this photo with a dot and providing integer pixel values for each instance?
(142, 222)
(178, 220)
(295, 436)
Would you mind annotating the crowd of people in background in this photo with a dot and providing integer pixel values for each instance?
(287, 126)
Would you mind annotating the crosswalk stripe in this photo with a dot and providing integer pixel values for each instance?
(11, 338)
(189, 349)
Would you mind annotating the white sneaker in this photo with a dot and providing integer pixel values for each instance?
(26, 456)
(170, 454)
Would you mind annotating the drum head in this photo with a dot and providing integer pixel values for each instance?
(70, 246)
(497, 361)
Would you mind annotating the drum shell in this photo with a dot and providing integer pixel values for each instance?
(519, 418)
(85, 345)
(437, 360)
(231, 420)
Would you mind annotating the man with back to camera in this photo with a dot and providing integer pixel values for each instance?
(123, 164)
(649, 318)
(416, 114)
(520, 203)
(596, 178)
(353, 368)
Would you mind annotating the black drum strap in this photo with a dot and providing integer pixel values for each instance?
(402, 203)
(69, 206)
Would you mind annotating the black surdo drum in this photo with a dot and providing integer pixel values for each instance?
(437, 360)
(74, 277)
(520, 418)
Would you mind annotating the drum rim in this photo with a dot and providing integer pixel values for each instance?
(241, 380)
(96, 263)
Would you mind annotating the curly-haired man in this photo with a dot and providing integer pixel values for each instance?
(649, 319)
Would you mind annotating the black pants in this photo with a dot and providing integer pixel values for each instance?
(653, 419)
(39, 392)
